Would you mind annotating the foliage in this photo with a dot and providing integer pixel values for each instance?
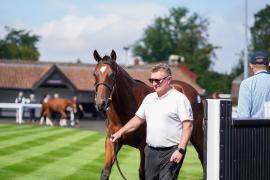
(178, 33)
(39, 152)
(185, 35)
(260, 31)
(19, 44)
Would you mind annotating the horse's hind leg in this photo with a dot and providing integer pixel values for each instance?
(44, 116)
(63, 119)
(47, 116)
(197, 137)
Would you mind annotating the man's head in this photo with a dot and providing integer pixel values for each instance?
(32, 96)
(75, 98)
(161, 77)
(20, 94)
(258, 61)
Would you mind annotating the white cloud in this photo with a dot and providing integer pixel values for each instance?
(229, 36)
(73, 37)
(115, 25)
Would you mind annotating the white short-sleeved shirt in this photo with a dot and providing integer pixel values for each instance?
(164, 116)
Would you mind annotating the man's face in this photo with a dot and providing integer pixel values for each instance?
(160, 80)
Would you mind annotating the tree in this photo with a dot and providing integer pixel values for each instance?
(19, 44)
(186, 35)
(260, 32)
(179, 34)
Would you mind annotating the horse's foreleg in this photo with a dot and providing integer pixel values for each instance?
(49, 121)
(63, 119)
(109, 159)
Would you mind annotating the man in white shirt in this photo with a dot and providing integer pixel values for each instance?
(169, 120)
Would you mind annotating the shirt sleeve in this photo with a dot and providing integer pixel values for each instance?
(244, 101)
(141, 111)
(185, 110)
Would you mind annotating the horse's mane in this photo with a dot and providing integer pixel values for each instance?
(139, 81)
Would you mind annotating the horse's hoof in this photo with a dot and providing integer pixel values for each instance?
(105, 173)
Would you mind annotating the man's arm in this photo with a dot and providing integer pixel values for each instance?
(243, 109)
(186, 134)
(132, 125)
(185, 137)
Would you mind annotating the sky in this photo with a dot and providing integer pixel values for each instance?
(73, 29)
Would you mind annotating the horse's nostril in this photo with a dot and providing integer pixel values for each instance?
(101, 105)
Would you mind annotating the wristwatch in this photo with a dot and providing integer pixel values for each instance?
(181, 150)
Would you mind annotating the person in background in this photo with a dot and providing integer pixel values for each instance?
(19, 99)
(255, 91)
(55, 95)
(56, 115)
(32, 110)
(45, 98)
(169, 119)
(78, 110)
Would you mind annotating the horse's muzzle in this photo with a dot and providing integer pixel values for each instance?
(102, 106)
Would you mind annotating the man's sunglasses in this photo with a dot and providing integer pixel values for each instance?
(157, 81)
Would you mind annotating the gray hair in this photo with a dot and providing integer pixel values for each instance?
(162, 66)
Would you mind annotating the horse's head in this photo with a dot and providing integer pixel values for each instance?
(105, 79)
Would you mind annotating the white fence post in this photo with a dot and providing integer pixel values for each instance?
(213, 139)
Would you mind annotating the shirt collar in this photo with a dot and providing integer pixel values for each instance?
(164, 95)
(260, 71)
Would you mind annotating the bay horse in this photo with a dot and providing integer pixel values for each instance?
(119, 95)
(59, 105)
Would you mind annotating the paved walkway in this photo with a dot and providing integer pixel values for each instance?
(93, 125)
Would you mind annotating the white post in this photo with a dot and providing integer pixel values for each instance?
(213, 138)
(20, 115)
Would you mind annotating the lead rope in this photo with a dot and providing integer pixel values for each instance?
(116, 160)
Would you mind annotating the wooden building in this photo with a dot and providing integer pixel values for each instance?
(67, 79)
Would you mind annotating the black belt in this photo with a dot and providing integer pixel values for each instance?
(161, 148)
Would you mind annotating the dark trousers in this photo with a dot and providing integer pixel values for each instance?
(158, 165)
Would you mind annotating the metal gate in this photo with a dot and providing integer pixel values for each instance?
(243, 145)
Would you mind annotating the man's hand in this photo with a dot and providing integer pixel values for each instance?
(176, 157)
(114, 137)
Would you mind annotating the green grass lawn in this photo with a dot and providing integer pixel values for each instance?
(32, 152)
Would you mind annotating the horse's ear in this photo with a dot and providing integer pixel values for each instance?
(113, 55)
(97, 56)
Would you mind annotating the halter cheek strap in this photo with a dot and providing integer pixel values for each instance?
(110, 87)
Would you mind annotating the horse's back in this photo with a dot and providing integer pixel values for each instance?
(58, 103)
(186, 89)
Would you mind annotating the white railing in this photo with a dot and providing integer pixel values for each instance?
(20, 108)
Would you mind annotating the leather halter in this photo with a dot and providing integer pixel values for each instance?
(112, 86)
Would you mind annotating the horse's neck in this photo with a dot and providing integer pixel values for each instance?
(124, 85)
(124, 97)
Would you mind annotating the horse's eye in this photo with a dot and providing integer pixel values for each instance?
(112, 76)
